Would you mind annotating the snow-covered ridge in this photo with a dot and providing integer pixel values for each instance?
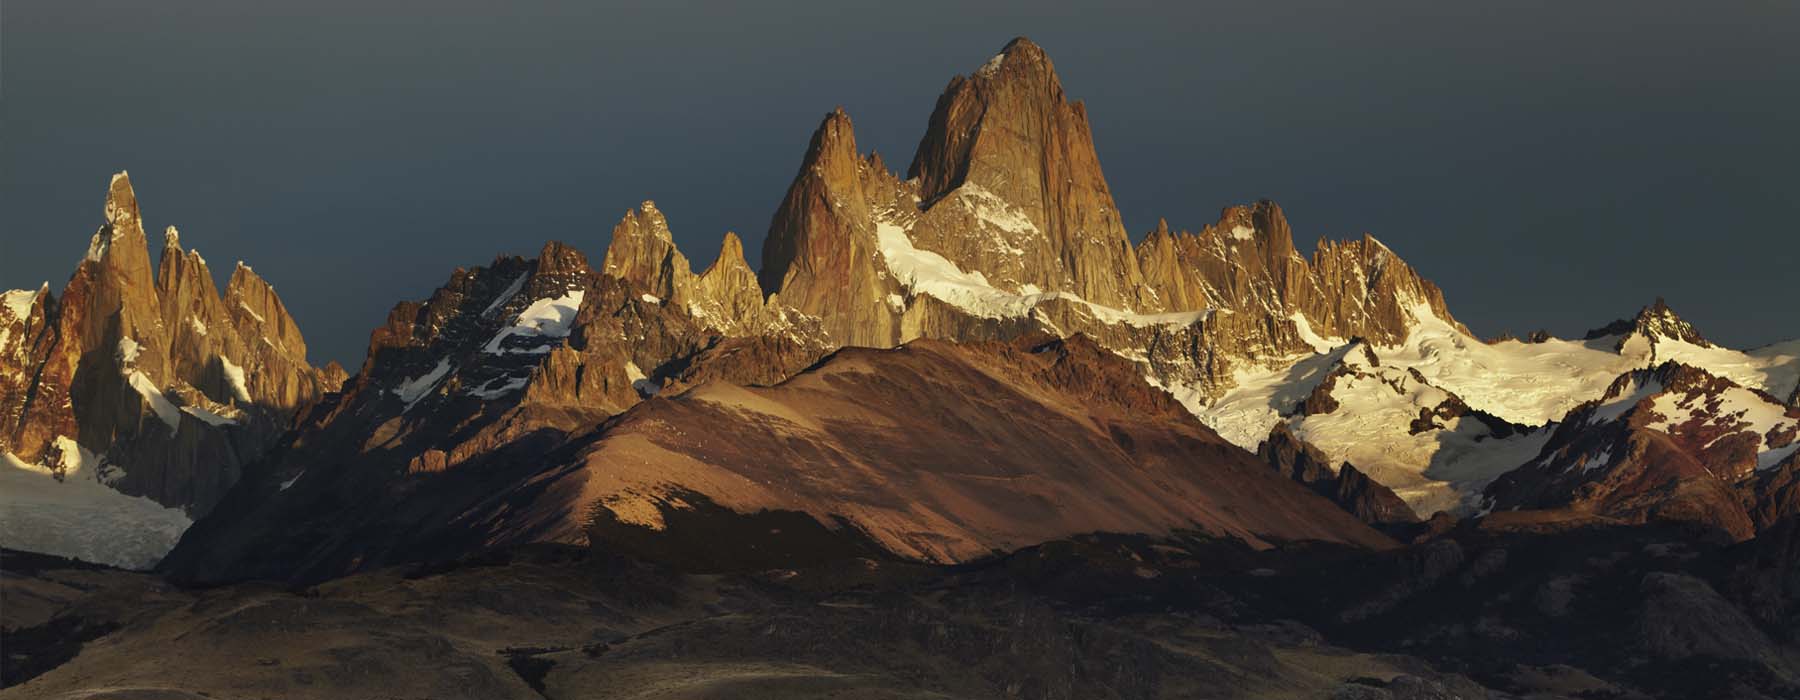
(1535, 383)
(1733, 410)
(1531, 384)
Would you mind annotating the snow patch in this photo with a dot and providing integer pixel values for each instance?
(153, 396)
(1734, 410)
(1243, 233)
(1771, 368)
(992, 65)
(412, 390)
(234, 376)
(1535, 383)
(512, 290)
(644, 386)
(198, 327)
(285, 485)
(1597, 461)
(547, 318)
(1318, 343)
(507, 385)
(991, 209)
(651, 299)
(207, 417)
(1610, 410)
(128, 351)
(18, 302)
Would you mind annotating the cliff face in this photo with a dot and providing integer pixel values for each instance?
(822, 256)
(171, 386)
(1008, 158)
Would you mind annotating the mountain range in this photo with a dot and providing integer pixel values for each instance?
(962, 363)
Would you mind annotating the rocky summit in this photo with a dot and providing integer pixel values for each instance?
(959, 436)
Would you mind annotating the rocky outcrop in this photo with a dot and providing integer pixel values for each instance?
(1368, 499)
(1294, 458)
(1346, 486)
(1684, 617)
(171, 387)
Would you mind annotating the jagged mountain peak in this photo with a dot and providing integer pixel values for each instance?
(245, 284)
(121, 201)
(1013, 102)
(646, 219)
(821, 255)
(731, 251)
(1012, 186)
(1660, 321)
(559, 258)
(1654, 322)
(832, 152)
(643, 253)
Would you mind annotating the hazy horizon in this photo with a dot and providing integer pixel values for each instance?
(1549, 166)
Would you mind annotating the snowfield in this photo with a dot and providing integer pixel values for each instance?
(81, 518)
(1530, 384)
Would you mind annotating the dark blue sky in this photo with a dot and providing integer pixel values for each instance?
(1553, 164)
